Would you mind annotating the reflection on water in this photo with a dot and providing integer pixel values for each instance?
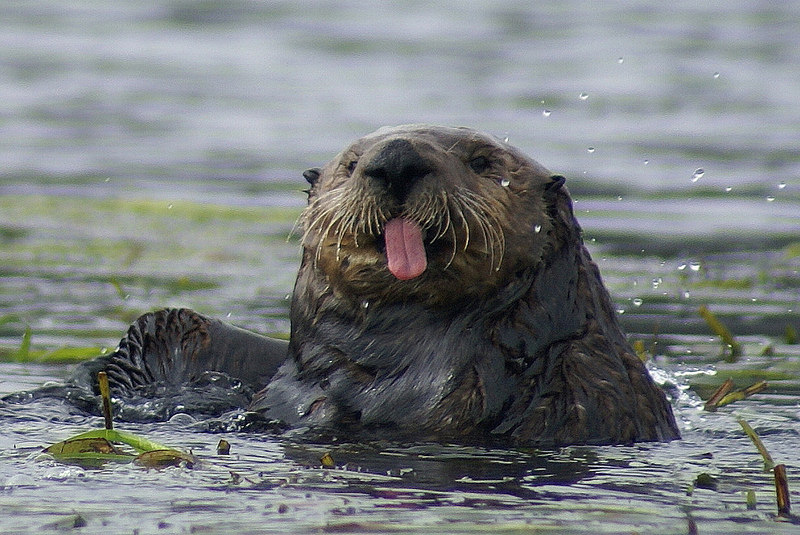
(150, 155)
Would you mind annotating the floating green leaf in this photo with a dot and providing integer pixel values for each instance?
(95, 448)
(99, 446)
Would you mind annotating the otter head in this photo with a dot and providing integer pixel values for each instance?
(426, 213)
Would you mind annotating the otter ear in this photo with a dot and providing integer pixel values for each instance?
(556, 181)
(312, 175)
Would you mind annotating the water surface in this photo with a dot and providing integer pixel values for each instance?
(151, 155)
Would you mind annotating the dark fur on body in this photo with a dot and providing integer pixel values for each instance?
(517, 339)
(509, 331)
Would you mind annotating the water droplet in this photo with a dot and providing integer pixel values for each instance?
(781, 185)
(686, 295)
(770, 198)
(108, 179)
(646, 162)
(103, 350)
(169, 206)
(620, 311)
(694, 266)
(229, 314)
(537, 228)
(365, 304)
(727, 189)
(590, 150)
(657, 282)
(287, 297)
(637, 302)
(546, 113)
(698, 174)
(505, 182)
(619, 197)
(682, 266)
(716, 75)
(505, 139)
(583, 96)
(620, 60)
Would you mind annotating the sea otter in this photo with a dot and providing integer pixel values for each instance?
(444, 291)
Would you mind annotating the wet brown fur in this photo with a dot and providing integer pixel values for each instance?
(509, 330)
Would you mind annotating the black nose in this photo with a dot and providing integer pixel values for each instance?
(398, 166)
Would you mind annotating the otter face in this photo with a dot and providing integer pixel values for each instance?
(408, 210)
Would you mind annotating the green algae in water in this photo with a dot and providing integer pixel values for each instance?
(790, 335)
(24, 353)
(734, 348)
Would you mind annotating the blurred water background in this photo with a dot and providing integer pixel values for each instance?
(151, 154)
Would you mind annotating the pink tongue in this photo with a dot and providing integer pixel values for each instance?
(404, 249)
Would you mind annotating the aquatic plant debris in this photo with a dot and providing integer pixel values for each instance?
(744, 393)
(97, 447)
(105, 395)
(750, 499)
(790, 335)
(66, 523)
(713, 402)
(327, 460)
(723, 332)
(762, 449)
(641, 351)
(723, 395)
(778, 471)
(705, 480)
(782, 490)
(25, 346)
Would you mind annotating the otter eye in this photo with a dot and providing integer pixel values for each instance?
(479, 164)
(351, 167)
